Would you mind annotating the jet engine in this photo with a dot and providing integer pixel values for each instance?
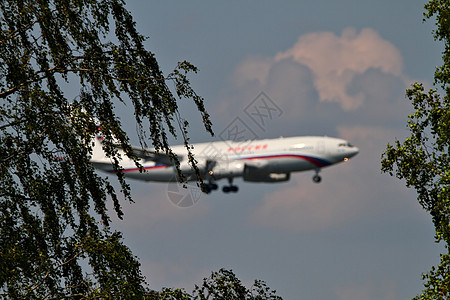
(253, 174)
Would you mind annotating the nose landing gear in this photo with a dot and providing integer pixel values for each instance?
(316, 178)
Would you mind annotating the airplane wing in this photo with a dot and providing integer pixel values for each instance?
(99, 158)
(259, 164)
(156, 156)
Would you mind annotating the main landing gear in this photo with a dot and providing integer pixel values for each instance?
(210, 186)
(230, 188)
(316, 178)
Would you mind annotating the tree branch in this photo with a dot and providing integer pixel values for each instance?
(48, 273)
(15, 33)
(57, 69)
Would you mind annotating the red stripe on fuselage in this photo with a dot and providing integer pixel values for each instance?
(315, 161)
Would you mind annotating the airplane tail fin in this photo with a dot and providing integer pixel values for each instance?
(98, 155)
(99, 159)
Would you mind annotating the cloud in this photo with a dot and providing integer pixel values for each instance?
(384, 99)
(319, 67)
(351, 86)
(253, 69)
(335, 60)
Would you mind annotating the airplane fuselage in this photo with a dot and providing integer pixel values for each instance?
(269, 160)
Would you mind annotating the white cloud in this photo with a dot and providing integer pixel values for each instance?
(333, 60)
(358, 71)
(336, 60)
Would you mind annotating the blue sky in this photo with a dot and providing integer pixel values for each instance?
(333, 68)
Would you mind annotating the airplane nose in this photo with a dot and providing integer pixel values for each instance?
(353, 152)
(350, 153)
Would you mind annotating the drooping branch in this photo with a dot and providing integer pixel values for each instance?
(17, 32)
(57, 69)
(50, 271)
(43, 42)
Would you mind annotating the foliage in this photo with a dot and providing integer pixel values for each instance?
(220, 285)
(225, 285)
(422, 160)
(55, 239)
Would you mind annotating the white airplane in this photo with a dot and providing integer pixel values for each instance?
(269, 160)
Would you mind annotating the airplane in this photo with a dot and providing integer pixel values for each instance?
(267, 160)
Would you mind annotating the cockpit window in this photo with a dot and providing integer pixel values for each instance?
(348, 145)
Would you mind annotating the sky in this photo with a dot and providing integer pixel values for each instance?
(332, 68)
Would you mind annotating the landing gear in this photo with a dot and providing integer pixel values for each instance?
(211, 186)
(230, 188)
(316, 178)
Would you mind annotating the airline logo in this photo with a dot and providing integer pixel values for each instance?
(248, 148)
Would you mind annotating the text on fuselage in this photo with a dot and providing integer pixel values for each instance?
(248, 148)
